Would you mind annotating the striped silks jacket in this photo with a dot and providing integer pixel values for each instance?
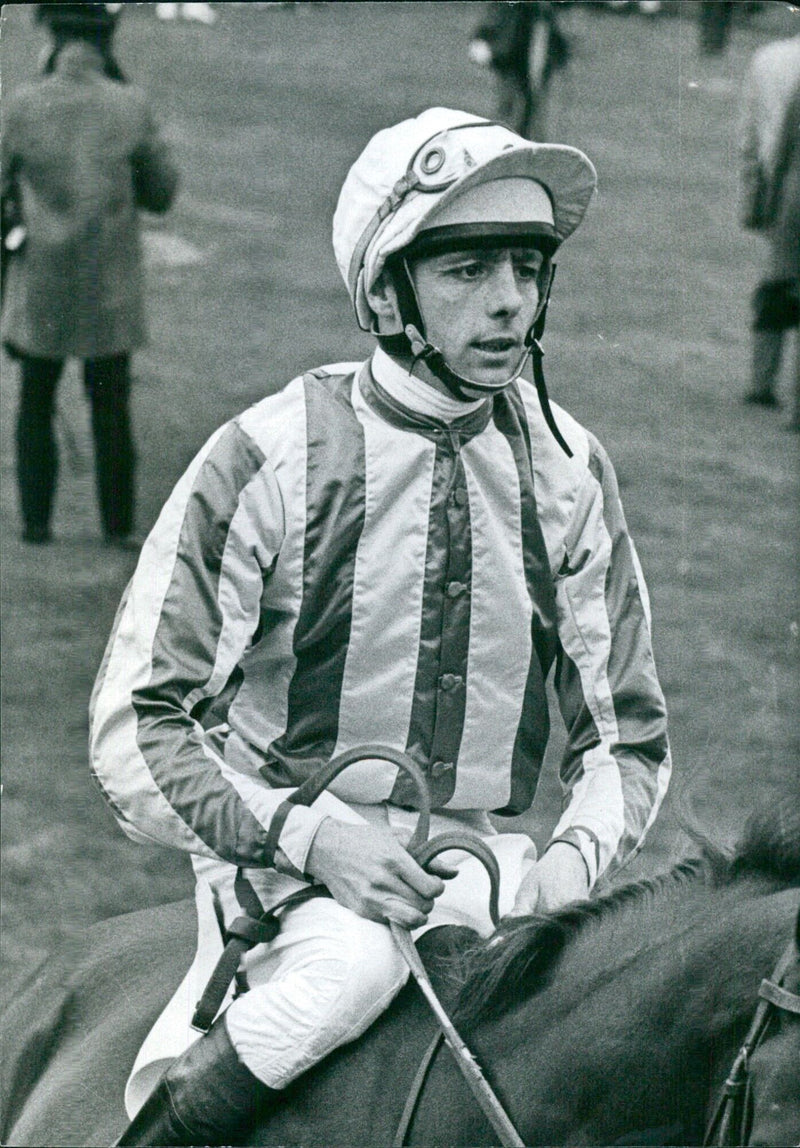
(334, 569)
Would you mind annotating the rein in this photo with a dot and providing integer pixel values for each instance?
(259, 926)
(726, 1126)
(465, 1061)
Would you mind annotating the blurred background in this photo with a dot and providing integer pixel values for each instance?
(648, 344)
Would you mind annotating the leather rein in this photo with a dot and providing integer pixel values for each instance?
(726, 1126)
(258, 926)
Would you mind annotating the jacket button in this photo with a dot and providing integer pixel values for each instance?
(439, 768)
(450, 681)
(454, 589)
(460, 496)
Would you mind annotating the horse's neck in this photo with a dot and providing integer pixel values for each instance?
(642, 1014)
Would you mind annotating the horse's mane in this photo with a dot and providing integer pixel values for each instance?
(521, 956)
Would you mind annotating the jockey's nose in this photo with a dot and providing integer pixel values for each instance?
(506, 292)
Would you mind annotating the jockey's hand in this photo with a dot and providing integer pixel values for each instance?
(559, 877)
(368, 870)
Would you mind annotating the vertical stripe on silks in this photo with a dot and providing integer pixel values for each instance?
(582, 731)
(437, 713)
(534, 726)
(381, 666)
(258, 714)
(335, 502)
(639, 705)
(183, 658)
(500, 625)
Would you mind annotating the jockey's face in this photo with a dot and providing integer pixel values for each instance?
(477, 307)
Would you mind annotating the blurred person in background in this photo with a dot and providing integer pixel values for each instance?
(80, 155)
(783, 214)
(714, 22)
(201, 13)
(646, 7)
(66, 22)
(769, 181)
(523, 45)
(395, 551)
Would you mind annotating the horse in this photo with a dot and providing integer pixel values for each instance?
(613, 1020)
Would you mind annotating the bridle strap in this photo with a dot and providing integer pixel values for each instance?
(417, 1085)
(780, 997)
(465, 1061)
(722, 1117)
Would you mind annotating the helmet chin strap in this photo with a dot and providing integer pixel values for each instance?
(467, 389)
(434, 360)
(537, 354)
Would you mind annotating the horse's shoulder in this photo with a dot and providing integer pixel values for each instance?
(85, 1009)
(171, 927)
(87, 971)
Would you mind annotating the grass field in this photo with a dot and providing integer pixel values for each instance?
(647, 344)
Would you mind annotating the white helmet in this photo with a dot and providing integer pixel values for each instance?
(407, 174)
(441, 179)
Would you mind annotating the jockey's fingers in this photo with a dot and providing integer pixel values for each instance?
(403, 914)
(446, 872)
(398, 892)
(425, 884)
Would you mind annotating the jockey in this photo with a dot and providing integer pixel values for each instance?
(395, 551)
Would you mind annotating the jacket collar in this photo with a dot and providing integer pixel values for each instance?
(397, 414)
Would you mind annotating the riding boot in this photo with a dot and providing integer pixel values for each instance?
(207, 1096)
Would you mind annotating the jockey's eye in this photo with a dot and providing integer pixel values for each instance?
(528, 264)
(470, 270)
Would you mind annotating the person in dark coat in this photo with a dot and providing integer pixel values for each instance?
(783, 214)
(523, 44)
(770, 180)
(80, 155)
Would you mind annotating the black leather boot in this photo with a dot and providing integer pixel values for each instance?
(207, 1096)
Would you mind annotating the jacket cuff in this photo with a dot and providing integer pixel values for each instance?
(296, 838)
(300, 827)
(587, 845)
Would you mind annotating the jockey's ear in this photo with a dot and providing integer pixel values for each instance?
(383, 302)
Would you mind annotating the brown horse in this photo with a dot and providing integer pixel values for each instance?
(613, 1021)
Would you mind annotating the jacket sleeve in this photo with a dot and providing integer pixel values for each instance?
(153, 170)
(190, 612)
(616, 763)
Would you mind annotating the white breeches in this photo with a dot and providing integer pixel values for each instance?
(323, 980)
(330, 973)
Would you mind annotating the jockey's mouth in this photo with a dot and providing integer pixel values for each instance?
(498, 345)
